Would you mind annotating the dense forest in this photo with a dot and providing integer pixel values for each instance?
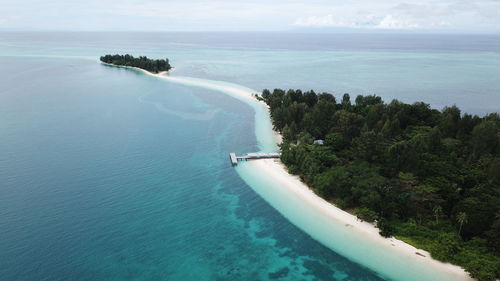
(150, 65)
(430, 178)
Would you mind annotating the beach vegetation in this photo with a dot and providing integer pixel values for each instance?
(366, 214)
(142, 62)
(428, 177)
(461, 219)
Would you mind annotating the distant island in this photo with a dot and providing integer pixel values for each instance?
(142, 62)
(430, 178)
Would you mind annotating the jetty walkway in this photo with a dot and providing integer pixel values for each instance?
(251, 156)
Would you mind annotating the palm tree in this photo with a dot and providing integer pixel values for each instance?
(461, 219)
(437, 211)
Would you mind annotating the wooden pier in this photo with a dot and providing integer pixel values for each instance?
(252, 156)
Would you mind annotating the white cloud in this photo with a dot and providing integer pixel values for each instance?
(316, 21)
(360, 21)
(390, 22)
(7, 20)
(195, 15)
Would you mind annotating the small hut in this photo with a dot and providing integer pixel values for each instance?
(319, 142)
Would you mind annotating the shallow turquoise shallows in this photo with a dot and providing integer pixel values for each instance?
(110, 174)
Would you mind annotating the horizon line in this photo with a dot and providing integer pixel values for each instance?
(302, 31)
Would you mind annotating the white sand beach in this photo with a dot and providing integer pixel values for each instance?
(276, 172)
(234, 91)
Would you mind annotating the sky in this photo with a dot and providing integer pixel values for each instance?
(472, 16)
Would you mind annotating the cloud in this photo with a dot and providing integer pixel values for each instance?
(361, 21)
(7, 20)
(437, 9)
(390, 22)
(316, 21)
(441, 15)
(217, 15)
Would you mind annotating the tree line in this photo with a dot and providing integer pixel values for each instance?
(430, 178)
(142, 62)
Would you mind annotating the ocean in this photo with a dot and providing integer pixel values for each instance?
(110, 174)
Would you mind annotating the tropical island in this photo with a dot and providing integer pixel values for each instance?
(427, 177)
(142, 62)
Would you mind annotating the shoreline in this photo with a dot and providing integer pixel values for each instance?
(396, 251)
(390, 249)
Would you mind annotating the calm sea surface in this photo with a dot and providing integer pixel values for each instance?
(110, 174)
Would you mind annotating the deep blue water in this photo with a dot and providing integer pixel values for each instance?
(109, 174)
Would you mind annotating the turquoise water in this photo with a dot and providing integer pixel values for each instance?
(439, 69)
(110, 174)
